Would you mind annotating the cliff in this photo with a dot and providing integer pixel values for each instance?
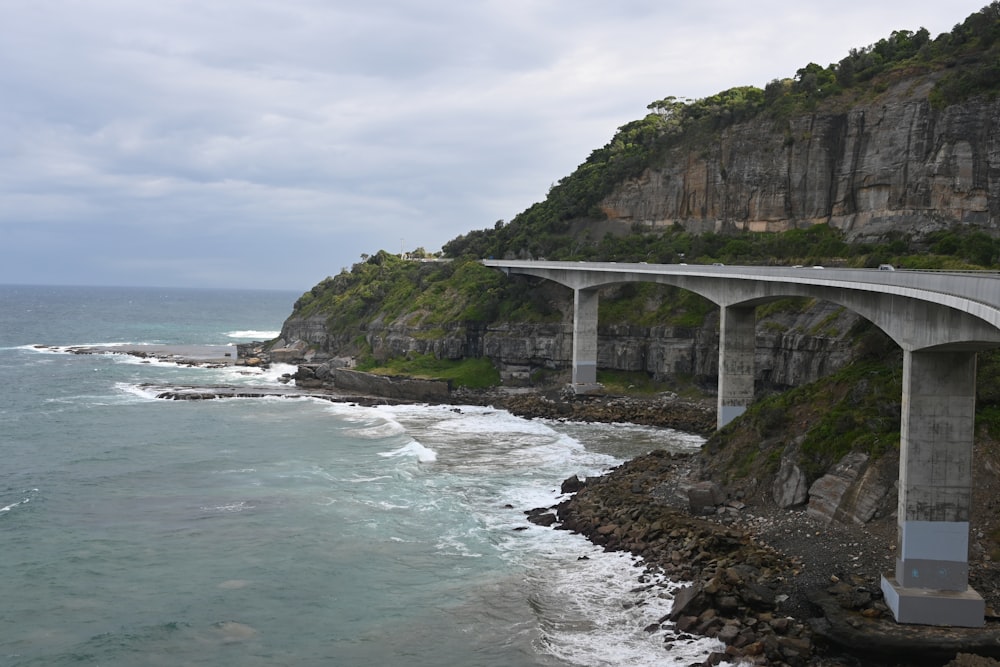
(794, 347)
(892, 163)
(890, 155)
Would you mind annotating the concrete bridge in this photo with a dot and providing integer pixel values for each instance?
(939, 319)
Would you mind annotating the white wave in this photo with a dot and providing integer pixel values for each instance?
(378, 431)
(136, 390)
(249, 375)
(228, 508)
(593, 613)
(23, 501)
(350, 413)
(365, 480)
(413, 449)
(386, 505)
(251, 334)
(372, 423)
(34, 347)
(468, 419)
(449, 545)
(70, 349)
(13, 505)
(634, 430)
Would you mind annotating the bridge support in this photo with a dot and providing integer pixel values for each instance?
(585, 340)
(931, 581)
(737, 343)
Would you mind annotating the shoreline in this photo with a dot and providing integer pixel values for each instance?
(775, 586)
(183, 355)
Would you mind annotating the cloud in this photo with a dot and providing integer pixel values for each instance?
(178, 143)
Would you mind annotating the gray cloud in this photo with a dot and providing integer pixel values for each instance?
(269, 144)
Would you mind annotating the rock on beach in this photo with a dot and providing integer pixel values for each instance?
(810, 604)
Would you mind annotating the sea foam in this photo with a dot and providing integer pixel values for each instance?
(23, 501)
(593, 614)
(253, 335)
(413, 449)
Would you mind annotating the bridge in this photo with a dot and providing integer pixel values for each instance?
(940, 320)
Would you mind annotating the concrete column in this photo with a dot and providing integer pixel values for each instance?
(585, 338)
(931, 582)
(737, 343)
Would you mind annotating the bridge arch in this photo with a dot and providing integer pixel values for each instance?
(939, 320)
(915, 319)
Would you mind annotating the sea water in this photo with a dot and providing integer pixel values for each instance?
(140, 531)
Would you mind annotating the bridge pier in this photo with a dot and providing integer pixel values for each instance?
(931, 582)
(737, 344)
(942, 316)
(585, 303)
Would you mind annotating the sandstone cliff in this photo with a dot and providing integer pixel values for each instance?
(891, 163)
(877, 162)
(794, 347)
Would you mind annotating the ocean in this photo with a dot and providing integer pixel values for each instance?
(293, 532)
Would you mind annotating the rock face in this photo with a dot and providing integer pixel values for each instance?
(792, 348)
(851, 492)
(790, 487)
(736, 585)
(890, 163)
(333, 375)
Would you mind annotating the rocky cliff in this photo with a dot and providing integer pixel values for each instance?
(795, 346)
(884, 164)
(878, 161)
(889, 163)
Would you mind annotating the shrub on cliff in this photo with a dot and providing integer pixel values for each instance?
(385, 287)
(965, 62)
(854, 409)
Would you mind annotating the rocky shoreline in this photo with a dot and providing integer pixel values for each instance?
(775, 586)
(812, 601)
(664, 411)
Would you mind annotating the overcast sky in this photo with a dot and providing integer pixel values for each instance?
(268, 144)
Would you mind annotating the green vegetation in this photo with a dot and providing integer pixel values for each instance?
(643, 385)
(649, 304)
(471, 373)
(855, 409)
(988, 393)
(434, 294)
(969, 56)
(631, 383)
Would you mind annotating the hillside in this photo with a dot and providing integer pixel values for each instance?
(894, 137)
(888, 156)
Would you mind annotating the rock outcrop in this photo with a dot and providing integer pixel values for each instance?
(889, 164)
(776, 587)
(850, 492)
(794, 348)
(334, 376)
(893, 163)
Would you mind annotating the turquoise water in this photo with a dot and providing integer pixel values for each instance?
(137, 531)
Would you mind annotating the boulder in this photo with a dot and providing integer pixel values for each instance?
(290, 354)
(829, 491)
(402, 388)
(571, 485)
(704, 497)
(790, 487)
